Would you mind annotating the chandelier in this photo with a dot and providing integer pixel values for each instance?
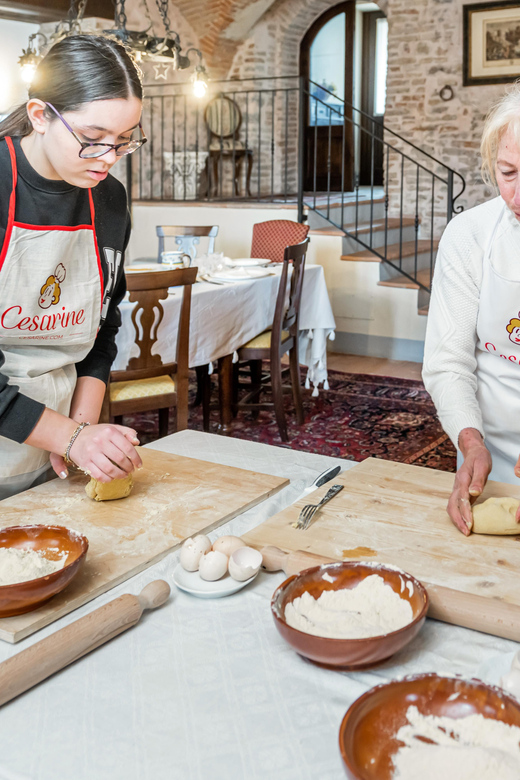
(145, 47)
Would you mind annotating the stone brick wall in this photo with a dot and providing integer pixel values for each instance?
(424, 55)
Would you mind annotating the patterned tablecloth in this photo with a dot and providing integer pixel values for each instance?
(207, 690)
(225, 317)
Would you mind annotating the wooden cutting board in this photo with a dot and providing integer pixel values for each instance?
(393, 513)
(173, 497)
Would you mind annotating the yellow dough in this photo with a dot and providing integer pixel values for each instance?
(496, 516)
(107, 491)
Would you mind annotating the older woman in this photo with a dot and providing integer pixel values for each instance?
(472, 349)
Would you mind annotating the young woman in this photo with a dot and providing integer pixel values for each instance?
(64, 227)
(472, 349)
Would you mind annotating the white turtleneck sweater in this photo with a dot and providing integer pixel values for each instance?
(451, 336)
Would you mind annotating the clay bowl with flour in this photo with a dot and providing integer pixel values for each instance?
(348, 653)
(367, 736)
(52, 541)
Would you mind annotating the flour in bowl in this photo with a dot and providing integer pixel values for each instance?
(372, 608)
(18, 565)
(465, 748)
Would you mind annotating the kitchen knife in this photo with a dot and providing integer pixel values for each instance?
(326, 476)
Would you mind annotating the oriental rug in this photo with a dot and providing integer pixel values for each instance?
(360, 416)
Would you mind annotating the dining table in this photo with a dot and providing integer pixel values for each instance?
(225, 316)
(206, 689)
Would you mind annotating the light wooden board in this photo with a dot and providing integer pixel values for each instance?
(173, 497)
(393, 513)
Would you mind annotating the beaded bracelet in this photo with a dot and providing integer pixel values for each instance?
(73, 438)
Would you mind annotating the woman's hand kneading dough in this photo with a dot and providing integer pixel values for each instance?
(470, 479)
(106, 452)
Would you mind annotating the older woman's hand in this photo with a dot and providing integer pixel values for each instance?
(470, 479)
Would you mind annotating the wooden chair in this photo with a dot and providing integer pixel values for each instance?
(281, 339)
(186, 238)
(272, 237)
(147, 383)
(223, 119)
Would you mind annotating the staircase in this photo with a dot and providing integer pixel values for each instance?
(395, 238)
(397, 225)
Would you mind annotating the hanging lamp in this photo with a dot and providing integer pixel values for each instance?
(34, 52)
(155, 49)
(143, 45)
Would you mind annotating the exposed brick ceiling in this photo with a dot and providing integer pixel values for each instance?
(217, 21)
(220, 25)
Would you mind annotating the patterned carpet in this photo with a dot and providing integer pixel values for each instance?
(361, 416)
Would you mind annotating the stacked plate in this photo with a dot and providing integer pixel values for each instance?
(246, 262)
(240, 274)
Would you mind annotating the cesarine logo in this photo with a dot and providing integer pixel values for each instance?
(13, 319)
(51, 291)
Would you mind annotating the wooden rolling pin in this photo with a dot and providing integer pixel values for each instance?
(62, 648)
(491, 616)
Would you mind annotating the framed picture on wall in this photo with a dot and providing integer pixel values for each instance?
(491, 43)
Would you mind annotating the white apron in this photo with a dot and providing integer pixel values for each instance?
(51, 289)
(498, 365)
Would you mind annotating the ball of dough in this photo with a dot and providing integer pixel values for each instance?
(496, 516)
(107, 491)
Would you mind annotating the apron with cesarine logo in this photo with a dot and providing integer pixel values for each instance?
(51, 292)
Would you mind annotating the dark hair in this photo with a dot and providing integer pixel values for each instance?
(75, 71)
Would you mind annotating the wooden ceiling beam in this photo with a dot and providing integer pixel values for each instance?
(41, 11)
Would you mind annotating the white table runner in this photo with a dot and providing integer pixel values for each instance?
(207, 690)
(224, 318)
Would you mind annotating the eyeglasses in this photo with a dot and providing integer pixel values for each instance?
(89, 150)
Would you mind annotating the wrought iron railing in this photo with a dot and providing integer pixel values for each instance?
(390, 196)
(184, 160)
(418, 189)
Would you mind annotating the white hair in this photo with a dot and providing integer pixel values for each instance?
(504, 116)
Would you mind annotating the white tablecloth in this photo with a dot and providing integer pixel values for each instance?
(208, 690)
(225, 317)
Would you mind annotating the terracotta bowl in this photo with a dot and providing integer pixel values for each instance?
(367, 734)
(348, 653)
(52, 541)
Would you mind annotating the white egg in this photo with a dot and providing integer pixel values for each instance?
(193, 550)
(213, 565)
(228, 544)
(244, 563)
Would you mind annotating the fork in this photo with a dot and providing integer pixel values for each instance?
(310, 510)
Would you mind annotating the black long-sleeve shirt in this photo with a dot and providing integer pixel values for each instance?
(41, 201)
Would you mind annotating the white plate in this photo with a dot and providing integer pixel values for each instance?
(239, 274)
(191, 582)
(245, 262)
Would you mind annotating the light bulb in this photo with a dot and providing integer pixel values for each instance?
(199, 88)
(27, 73)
